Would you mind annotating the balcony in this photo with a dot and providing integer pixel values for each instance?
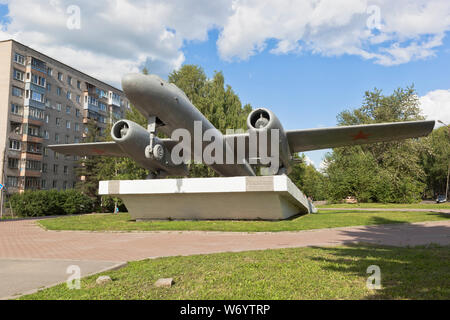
(15, 117)
(32, 156)
(34, 87)
(34, 104)
(30, 138)
(38, 65)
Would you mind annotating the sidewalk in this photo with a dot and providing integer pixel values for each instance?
(23, 242)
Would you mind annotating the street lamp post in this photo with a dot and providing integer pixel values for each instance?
(448, 171)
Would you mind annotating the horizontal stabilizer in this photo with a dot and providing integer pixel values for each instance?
(90, 149)
(324, 138)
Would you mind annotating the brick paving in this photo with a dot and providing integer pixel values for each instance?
(26, 240)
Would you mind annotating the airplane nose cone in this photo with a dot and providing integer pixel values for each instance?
(130, 82)
(146, 92)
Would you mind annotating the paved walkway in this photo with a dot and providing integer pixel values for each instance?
(388, 209)
(22, 243)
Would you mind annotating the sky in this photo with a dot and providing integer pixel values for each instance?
(306, 60)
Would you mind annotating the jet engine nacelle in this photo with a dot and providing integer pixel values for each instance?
(134, 140)
(261, 122)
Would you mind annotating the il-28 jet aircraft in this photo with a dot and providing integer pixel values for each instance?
(193, 137)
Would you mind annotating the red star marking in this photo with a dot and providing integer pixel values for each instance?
(361, 136)
(97, 151)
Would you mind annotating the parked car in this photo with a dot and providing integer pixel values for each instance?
(350, 200)
(441, 198)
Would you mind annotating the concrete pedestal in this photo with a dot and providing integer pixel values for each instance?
(240, 198)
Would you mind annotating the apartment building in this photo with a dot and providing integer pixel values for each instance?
(43, 102)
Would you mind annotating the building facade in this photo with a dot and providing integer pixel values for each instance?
(44, 102)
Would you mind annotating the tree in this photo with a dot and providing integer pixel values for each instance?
(308, 179)
(217, 101)
(399, 163)
(435, 161)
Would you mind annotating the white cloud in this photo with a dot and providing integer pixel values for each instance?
(436, 105)
(308, 161)
(409, 29)
(119, 36)
(116, 36)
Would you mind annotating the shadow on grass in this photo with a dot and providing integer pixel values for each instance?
(417, 269)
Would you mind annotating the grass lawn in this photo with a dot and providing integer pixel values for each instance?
(388, 205)
(300, 273)
(325, 219)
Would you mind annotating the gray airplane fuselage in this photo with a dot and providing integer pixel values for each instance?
(154, 97)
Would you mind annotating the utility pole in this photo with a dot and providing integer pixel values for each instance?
(448, 171)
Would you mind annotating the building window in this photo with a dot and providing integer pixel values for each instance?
(56, 138)
(58, 91)
(44, 167)
(36, 113)
(67, 139)
(14, 144)
(69, 95)
(18, 75)
(36, 96)
(34, 148)
(56, 154)
(50, 71)
(47, 118)
(16, 109)
(68, 109)
(55, 184)
(18, 58)
(76, 140)
(33, 165)
(55, 168)
(45, 150)
(77, 113)
(17, 92)
(67, 124)
(58, 122)
(79, 84)
(78, 99)
(32, 183)
(13, 163)
(38, 80)
(65, 185)
(33, 131)
(77, 127)
(12, 182)
(58, 106)
(43, 184)
(66, 170)
(69, 80)
(60, 76)
(46, 135)
(49, 87)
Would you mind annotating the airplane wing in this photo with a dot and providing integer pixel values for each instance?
(324, 138)
(109, 148)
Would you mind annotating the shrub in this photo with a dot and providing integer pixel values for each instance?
(51, 202)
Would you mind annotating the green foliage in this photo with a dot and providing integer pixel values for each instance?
(50, 202)
(308, 179)
(215, 100)
(380, 172)
(436, 161)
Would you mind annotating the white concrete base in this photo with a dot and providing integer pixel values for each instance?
(240, 198)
